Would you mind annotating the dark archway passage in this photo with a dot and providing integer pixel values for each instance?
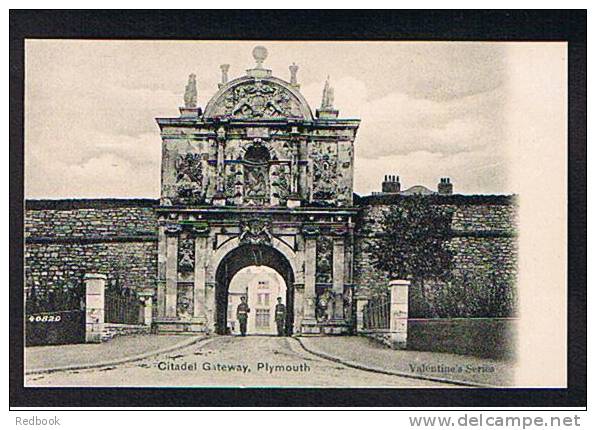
(251, 255)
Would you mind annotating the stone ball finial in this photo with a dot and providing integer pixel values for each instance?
(259, 53)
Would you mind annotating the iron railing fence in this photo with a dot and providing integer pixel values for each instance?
(122, 305)
(59, 298)
(376, 312)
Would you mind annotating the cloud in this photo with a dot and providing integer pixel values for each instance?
(95, 165)
(111, 175)
(399, 124)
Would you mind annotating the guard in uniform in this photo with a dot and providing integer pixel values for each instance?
(242, 315)
(280, 317)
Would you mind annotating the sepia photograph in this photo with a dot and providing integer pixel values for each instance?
(235, 214)
(227, 219)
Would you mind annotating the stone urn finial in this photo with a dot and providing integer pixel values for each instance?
(293, 71)
(224, 73)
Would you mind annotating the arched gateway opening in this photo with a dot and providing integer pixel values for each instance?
(240, 258)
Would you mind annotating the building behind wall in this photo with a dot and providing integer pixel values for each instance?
(262, 288)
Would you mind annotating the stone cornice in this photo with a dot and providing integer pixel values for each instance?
(270, 122)
(347, 211)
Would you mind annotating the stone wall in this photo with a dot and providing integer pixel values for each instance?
(67, 238)
(113, 330)
(483, 236)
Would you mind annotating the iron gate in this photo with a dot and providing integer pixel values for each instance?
(122, 305)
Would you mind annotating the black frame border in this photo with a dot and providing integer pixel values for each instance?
(371, 25)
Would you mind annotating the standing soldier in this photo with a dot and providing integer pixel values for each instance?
(242, 314)
(280, 317)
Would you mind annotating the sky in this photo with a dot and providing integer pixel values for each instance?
(428, 109)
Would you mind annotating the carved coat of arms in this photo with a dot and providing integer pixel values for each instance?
(189, 177)
(259, 100)
(255, 232)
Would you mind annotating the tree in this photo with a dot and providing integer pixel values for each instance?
(413, 242)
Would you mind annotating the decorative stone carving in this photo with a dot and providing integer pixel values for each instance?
(310, 230)
(234, 184)
(324, 172)
(186, 263)
(324, 304)
(198, 228)
(184, 301)
(189, 178)
(339, 231)
(324, 260)
(348, 298)
(256, 184)
(256, 231)
(258, 99)
(280, 183)
(186, 253)
(173, 229)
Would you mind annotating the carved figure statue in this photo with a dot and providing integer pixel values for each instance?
(190, 93)
(256, 181)
(186, 263)
(328, 96)
(323, 305)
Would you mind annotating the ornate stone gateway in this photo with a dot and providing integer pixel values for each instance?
(256, 179)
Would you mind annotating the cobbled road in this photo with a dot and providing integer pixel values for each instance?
(252, 361)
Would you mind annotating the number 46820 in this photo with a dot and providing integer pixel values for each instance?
(44, 318)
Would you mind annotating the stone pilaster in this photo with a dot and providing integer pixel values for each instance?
(199, 306)
(171, 293)
(219, 199)
(309, 322)
(161, 271)
(210, 305)
(298, 306)
(294, 197)
(339, 248)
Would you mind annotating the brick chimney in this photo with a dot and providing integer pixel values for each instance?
(391, 184)
(445, 187)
